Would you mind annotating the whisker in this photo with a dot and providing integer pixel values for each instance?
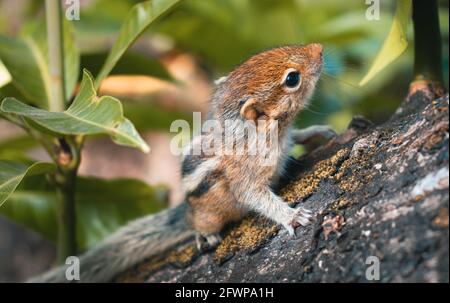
(335, 58)
(314, 112)
(341, 89)
(340, 80)
(329, 50)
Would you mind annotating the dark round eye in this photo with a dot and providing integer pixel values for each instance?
(292, 79)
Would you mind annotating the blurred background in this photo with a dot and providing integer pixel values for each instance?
(169, 73)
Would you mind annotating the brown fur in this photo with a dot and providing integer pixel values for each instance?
(213, 210)
(253, 91)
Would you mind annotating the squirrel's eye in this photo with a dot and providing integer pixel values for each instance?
(292, 79)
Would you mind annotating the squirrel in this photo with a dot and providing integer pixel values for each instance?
(270, 87)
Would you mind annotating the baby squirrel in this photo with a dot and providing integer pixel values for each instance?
(272, 86)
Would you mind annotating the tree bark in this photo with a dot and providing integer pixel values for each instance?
(377, 190)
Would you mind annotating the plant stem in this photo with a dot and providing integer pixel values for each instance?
(56, 54)
(67, 156)
(427, 41)
(68, 160)
(65, 187)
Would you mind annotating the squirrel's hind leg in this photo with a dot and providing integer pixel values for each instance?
(210, 211)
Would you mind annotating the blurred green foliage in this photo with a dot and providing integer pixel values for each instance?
(102, 206)
(60, 200)
(220, 34)
(223, 33)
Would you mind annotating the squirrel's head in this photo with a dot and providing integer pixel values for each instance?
(274, 84)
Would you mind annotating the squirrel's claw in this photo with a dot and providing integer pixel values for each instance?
(327, 132)
(302, 216)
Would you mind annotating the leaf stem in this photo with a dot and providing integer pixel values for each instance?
(427, 41)
(56, 54)
(23, 124)
(11, 119)
(39, 137)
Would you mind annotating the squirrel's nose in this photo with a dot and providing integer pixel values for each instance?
(316, 48)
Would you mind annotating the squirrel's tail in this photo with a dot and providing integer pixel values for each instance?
(138, 240)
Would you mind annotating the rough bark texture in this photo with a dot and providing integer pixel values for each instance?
(377, 191)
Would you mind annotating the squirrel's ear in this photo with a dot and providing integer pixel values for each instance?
(249, 110)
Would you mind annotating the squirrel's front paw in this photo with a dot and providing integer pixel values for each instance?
(301, 216)
(326, 131)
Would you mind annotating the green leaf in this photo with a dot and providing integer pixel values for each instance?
(9, 90)
(5, 76)
(26, 59)
(150, 116)
(139, 18)
(12, 173)
(101, 206)
(28, 68)
(88, 115)
(15, 148)
(395, 43)
(131, 63)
